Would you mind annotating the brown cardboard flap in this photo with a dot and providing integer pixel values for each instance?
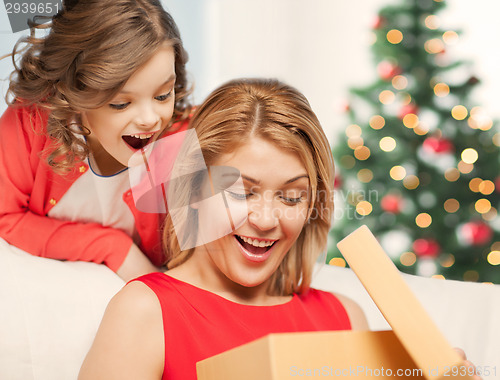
(408, 319)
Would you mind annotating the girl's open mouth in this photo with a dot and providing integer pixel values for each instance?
(138, 141)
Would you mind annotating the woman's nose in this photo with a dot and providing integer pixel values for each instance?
(263, 215)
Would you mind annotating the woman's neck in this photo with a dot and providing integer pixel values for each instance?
(202, 276)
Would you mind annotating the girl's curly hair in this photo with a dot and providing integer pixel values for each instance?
(90, 51)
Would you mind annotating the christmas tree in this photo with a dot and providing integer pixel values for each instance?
(418, 162)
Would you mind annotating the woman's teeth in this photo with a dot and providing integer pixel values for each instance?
(257, 243)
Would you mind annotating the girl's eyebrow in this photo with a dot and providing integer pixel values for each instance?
(170, 79)
(257, 182)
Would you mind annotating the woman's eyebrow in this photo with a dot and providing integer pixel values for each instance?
(257, 182)
(296, 178)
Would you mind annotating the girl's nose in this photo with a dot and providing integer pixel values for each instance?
(147, 116)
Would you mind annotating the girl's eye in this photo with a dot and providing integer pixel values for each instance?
(164, 97)
(119, 106)
(238, 196)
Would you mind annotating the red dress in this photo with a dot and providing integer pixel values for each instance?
(198, 324)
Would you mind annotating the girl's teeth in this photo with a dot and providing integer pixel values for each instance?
(142, 137)
(257, 243)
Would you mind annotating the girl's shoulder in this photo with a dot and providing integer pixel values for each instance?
(29, 117)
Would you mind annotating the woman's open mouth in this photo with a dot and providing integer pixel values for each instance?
(138, 141)
(256, 250)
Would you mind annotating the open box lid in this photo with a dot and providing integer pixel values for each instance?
(410, 322)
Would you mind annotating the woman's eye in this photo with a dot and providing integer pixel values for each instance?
(119, 106)
(164, 97)
(292, 201)
(238, 196)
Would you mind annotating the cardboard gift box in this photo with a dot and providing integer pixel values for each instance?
(414, 348)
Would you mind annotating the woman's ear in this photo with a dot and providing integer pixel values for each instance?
(195, 200)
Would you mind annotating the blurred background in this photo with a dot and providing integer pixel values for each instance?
(330, 48)
(322, 47)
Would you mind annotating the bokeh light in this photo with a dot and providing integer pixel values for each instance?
(469, 156)
(493, 258)
(355, 142)
(446, 260)
(486, 187)
(452, 174)
(410, 120)
(459, 112)
(411, 182)
(441, 89)
(432, 22)
(387, 144)
(451, 205)
(474, 184)
(365, 175)
(399, 82)
(471, 275)
(394, 36)
(347, 162)
(362, 153)
(464, 167)
(434, 46)
(450, 37)
(482, 205)
(377, 122)
(423, 220)
(353, 130)
(397, 173)
(408, 259)
(337, 262)
(386, 97)
(364, 208)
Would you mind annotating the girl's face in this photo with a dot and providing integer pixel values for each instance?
(275, 187)
(136, 116)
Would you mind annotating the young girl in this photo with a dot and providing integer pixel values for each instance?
(254, 280)
(107, 80)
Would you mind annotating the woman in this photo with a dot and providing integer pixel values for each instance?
(269, 162)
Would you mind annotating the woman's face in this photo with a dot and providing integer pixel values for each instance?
(274, 193)
(136, 116)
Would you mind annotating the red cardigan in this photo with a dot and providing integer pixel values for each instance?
(30, 188)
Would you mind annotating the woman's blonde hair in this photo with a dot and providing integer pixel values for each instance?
(246, 108)
(91, 50)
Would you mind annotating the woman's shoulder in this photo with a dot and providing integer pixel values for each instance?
(135, 298)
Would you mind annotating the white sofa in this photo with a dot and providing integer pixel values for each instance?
(50, 311)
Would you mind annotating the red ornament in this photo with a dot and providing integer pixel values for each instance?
(391, 203)
(388, 70)
(476, 233)
(473, 80)
(378, 22)
(426, 248)
(409, 108)
(337, 182)
(497, 184)
(345, 106)
(437, 145)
